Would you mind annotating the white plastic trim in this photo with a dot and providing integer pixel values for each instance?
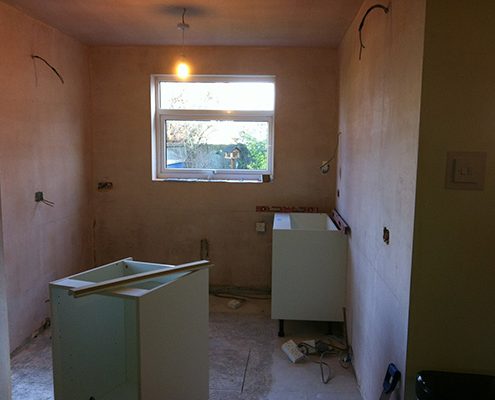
(160, 116)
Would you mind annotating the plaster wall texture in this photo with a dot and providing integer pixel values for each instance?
(379, 121)
(452, 319)
(5, 381)
(45, 145)
(165, 221)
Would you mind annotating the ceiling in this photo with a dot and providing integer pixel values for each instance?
(212, 22)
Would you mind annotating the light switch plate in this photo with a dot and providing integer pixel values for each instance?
(465, 170)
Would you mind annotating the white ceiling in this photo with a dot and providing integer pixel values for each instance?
(213, 22)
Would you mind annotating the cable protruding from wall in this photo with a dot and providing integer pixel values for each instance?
(34, 56)
(361, 25)
(39, 198)
(325, 165)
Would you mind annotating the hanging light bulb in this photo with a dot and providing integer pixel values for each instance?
(183, 70)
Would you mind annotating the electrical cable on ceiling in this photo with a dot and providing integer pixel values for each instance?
(361, 25)
(34, 56)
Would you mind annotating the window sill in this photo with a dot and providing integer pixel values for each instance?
(199, 180)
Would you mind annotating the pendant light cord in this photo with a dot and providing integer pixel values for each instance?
(182, 67)
(182, 50)
(183, 26)
(184, 13)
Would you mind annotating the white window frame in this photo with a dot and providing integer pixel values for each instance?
(159, 116)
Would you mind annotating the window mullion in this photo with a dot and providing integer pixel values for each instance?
(216, 115)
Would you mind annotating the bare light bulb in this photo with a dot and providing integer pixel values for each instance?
(183, 70)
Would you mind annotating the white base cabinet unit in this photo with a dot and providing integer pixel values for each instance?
(309, 256)
(145, 340)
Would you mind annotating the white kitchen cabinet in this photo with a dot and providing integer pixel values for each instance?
(145, 341)
(308, 268)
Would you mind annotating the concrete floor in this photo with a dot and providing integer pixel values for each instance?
(32, 370)
(246, 362)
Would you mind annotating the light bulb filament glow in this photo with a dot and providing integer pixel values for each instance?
(183, 70)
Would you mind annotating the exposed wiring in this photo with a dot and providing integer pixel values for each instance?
(39, 198)
(323, 349)
(48, 203)
(331, 346)
(241, 293)
(33, 56)
(306, 348)
(324, 168)
(361, 25)
(323, 363)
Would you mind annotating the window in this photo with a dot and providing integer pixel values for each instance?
(215, 128)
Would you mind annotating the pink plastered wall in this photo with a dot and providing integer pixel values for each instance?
(165, 221)
(379, 118)
(45, 145)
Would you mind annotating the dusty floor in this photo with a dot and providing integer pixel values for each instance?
(246, 362)
(32, 370)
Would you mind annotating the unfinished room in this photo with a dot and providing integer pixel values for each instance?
(247, 200)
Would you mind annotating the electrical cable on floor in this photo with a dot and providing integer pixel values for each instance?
(306, 348)
(230, 296)
(323, 349)
(322, 363)
(241, 293)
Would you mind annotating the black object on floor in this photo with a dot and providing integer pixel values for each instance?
(441, 385)
(392, 378)
(281, 332)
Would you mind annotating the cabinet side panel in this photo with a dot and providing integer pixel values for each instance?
(308, 275)
(131, 343)
(173, 336)
(88, 345)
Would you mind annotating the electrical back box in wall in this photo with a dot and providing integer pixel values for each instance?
(144, 341)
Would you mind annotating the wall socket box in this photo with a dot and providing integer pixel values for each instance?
(465, 170)
(260, 227)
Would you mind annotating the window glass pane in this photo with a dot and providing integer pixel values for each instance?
(230, 145)
(232, 96)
